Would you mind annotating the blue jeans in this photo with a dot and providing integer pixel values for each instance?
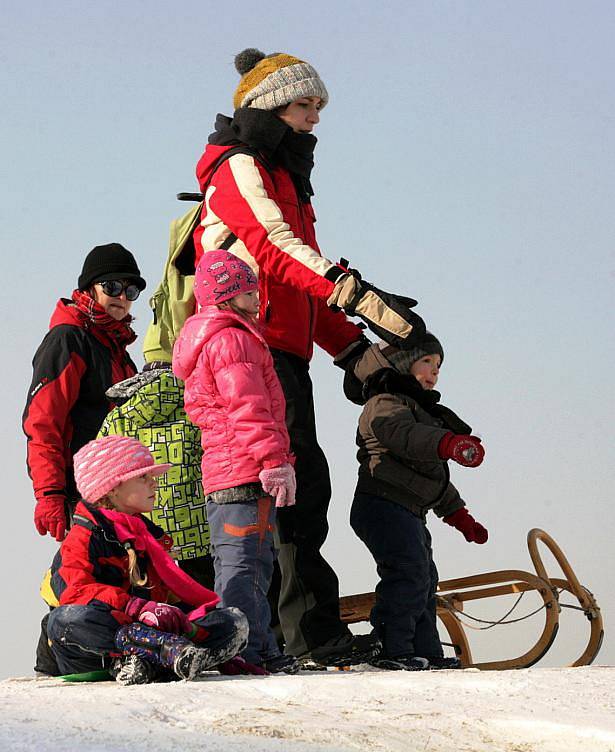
(242, 544)
(82, 637)
(404, 615)
(85, 638)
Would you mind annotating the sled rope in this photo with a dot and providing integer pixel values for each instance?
(490, 624)
(503, 620)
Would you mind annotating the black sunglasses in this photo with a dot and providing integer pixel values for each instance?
(114, 288)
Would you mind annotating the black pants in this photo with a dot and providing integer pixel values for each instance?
(404, 616)
(309, 594)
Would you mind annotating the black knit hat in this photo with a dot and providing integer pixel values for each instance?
(402, 360)
(111, 261)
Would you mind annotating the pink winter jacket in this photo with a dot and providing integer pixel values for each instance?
(233, 395)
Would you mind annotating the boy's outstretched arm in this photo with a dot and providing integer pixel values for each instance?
(395, 427)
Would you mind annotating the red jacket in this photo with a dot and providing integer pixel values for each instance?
(73, 367)
(276, 236)
(233, 395)
(92, 564)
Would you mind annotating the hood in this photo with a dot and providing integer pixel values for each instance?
(198, 330)
(142, 400)
(66, 312)
(370, 363)
(205, 165)
(263, 132)
(259, 130)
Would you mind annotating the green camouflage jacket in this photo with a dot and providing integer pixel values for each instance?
(150, 407)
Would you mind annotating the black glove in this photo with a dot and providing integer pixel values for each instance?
(387, 315)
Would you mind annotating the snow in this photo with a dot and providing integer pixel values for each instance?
(545, 709)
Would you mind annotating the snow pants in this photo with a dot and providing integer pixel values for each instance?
(242, 543)
(309, 593)
(404, 615)
(83, 638)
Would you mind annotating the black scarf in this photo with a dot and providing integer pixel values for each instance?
(263, 131)
(389, 381)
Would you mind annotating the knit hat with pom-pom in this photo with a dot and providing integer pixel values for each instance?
(272, 81)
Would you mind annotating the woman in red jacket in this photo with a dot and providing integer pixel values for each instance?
(232, 393)
(256, 177)
(81, 356)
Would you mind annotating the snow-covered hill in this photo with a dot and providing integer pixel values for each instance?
(547, 710)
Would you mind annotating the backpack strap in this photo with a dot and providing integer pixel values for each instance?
(79, 519)
(231, 237)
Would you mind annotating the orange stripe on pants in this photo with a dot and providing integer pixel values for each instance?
(262, 527)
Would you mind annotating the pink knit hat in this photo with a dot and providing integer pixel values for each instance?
(103, 464)
(221, 276)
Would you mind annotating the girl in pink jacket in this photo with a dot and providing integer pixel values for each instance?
(232, 393)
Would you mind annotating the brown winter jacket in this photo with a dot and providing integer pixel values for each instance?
(398, 448)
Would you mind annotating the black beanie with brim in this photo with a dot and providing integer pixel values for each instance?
(110, 261)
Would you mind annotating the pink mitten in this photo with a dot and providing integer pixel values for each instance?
(279, 482)
(162, 616)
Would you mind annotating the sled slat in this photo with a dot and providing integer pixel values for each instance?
(453, 593)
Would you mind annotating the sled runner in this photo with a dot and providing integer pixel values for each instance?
(452, 594)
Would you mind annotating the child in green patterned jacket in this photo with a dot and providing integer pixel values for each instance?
(150, 407)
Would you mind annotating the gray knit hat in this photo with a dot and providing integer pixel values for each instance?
(402, 360)
(272, 81)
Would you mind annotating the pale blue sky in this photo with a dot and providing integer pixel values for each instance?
(466, 158)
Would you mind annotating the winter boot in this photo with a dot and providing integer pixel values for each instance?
(438, 662)
(346, 650)
(400, 663)
(130, 669)
(282, 664)
(172, 651)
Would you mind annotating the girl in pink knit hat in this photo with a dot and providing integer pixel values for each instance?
(232, 393)
(120, 600)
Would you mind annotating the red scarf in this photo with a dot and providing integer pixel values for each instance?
(118, 331)
(131, 527)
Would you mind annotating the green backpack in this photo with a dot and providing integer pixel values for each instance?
(173, 300)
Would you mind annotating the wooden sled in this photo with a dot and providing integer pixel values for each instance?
(452, 594)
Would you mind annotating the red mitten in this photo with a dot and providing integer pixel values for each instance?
(237, 666)
(466, 450)
(50, 516)
(463, 521)
(161, 616)
(279, 482)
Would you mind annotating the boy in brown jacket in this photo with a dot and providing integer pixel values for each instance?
(405, 439)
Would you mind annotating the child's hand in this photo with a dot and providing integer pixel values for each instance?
(162, 616)
(472, 530)
(465, 450)
(279, 482)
